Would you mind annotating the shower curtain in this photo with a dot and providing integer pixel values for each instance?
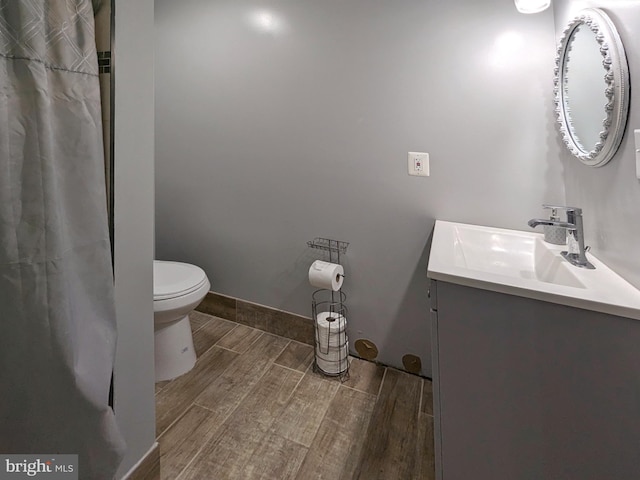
(57, 320)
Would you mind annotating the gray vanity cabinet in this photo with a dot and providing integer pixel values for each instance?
(526, 389)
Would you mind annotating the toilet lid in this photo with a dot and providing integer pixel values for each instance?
(175, 279)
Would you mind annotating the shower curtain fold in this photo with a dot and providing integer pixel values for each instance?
(57, 316)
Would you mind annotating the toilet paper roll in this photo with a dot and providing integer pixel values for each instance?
(332, 354)
(330, 329)
(331, 322)
(326, 275)
(334, 340)
(334, 362)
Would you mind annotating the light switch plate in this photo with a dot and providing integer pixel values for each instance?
(636, 135)
(418, 164)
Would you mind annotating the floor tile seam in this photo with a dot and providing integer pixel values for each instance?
(374, 395)
(221, 371)
(200, 390)
(324, 416)
(310, 366)
(269, 332)
(301, 343)
(326, 410)
(229, 350)
(294, 474)
(195, 402)
(292, 369)
(209, 409)
(218, 340)
(177, 419)
(205, 322)
(212, 434)
(205, 444)
(323, 377)
(228, 333)
(330, 378)
(239, 402)
(193, 332)
(384, 377)
(229, 414)
(203, 354)
(272, 432)
(233, 410)
(226, 348)
(320, 373)
(364, 430)
(271, 363)
(248, 347)
(183, 472)
(269, 430)
(421, 396)
(216, 345)
(304, 374)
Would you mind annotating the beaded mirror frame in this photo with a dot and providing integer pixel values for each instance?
(616, 91)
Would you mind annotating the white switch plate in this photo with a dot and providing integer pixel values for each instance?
(418, 164)
(636, 135)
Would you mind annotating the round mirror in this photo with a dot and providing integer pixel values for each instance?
(591, 87)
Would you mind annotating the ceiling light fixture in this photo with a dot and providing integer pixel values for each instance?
(532, 6)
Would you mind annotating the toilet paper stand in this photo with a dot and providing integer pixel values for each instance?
(331, 342)
(329, 314)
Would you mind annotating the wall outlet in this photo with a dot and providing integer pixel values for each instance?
(418, 164)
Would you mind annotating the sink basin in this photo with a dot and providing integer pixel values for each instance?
(521, 263)
(510, 253)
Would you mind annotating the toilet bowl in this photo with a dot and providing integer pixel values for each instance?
(177, 289)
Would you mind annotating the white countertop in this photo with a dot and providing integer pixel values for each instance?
(521, 263)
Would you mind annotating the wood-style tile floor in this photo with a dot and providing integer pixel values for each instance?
(252, 408)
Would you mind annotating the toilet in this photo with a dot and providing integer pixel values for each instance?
(177, 289)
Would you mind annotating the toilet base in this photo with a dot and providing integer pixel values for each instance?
(174, 351)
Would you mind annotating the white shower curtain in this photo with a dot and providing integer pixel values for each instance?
(57, 321)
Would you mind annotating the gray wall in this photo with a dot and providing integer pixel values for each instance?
(267, 139)
(610, 195)
(134, 400)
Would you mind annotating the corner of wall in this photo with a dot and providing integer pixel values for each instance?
(133, 116)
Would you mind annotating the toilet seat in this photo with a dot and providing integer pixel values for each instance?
(176, 279)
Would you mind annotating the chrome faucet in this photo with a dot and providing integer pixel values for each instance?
(576, 254)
